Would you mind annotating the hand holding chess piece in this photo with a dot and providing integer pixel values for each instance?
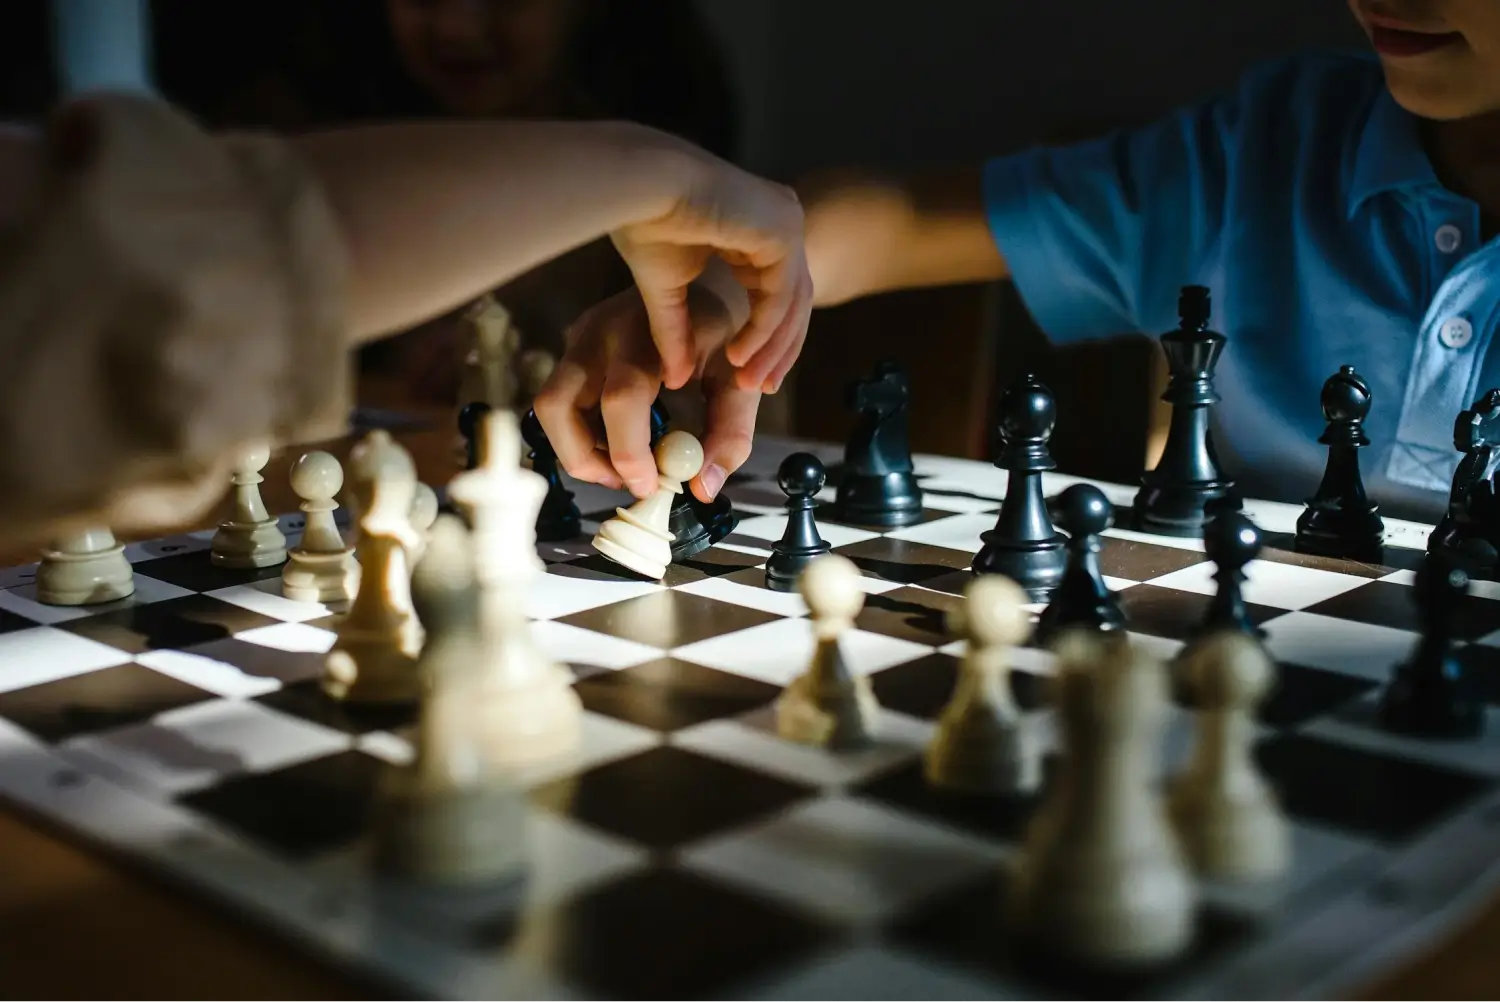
(321, 568)
(829, 705)
(454, 814)
(638, 537)
(984, 744)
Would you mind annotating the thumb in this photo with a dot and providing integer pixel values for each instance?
(728, 435)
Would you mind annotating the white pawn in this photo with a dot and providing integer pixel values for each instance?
(251, 538)
(983, 743)
(320, 568)
(1226, 814)
(829, 705)
(638, 537)
(453, 815)
(1102, 878)
(86, 568)
(424, 513)
(374, 652)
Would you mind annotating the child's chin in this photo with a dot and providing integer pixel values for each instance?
(1442, 93)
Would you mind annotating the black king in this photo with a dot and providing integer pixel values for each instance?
(1173, 495)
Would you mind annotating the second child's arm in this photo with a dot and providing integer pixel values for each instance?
(868, 234)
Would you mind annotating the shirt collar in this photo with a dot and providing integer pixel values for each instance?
(1389, 155)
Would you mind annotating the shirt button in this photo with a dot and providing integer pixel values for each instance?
(1448, 238)
(1456, 332)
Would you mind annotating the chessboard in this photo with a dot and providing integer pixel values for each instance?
(685, 850)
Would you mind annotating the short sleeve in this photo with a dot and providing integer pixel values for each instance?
(1100, 236)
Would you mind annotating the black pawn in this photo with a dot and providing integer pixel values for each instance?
(1082, 598)
(878, 483)
(559, 519)
(469, 417)
(1231, 541)
(695, 526)
(1172, 497)
(1341, 520)
(1431, 695)
(1023, 545)
(800, 477)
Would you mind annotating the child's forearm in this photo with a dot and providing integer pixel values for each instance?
(438, 213)
(867, 234)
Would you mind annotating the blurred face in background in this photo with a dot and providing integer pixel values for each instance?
(484, 57)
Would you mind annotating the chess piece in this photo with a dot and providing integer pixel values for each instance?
(1468, 535)
(1231, 540)
(489, 377)
(695, 525)
(1082, 597)
(1102, 878)
(983, 743)
(533, 367)
(86, 568)
(878, 484)
(1226, 815)
(320, 568)
(423, 515)
(800, 477)
(529, 709)
(829, 705)
(1341, 520)
(251, 538)
(453, 815)
(469, 417)
(559, 519)
(1023, 545)
(638, 537)
(375, 646)
(1432, 695)
(1172, 496)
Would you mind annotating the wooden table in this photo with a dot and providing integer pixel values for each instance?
(74, 924)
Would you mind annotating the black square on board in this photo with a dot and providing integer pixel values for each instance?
(308, 701)
(11, 622)
(1386, 603)
(667, 619)
(667, 796)
(668, 694)
(1136, 560)
(1303, 694)
(301, 811)
(1175, 614)
(972, 927)
(1003, 818)
(170, 625)
(903, 561)
(96, 701)
(908, 613)
(664, 933)
(195, 571)
(922, 688)
(1378, 797)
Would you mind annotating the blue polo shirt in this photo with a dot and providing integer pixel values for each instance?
(1305, 202)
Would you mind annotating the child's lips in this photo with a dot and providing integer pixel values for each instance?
(1391, 41)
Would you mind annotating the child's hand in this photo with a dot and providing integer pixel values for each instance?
(596, 408)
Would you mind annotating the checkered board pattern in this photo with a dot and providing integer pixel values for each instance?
(685, 851)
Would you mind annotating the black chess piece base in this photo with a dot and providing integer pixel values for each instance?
(1176, 509)
(1037, 566)
(696, 526)
(1334, 532)
(785, 566)
(888, 502)
(1428, 705)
